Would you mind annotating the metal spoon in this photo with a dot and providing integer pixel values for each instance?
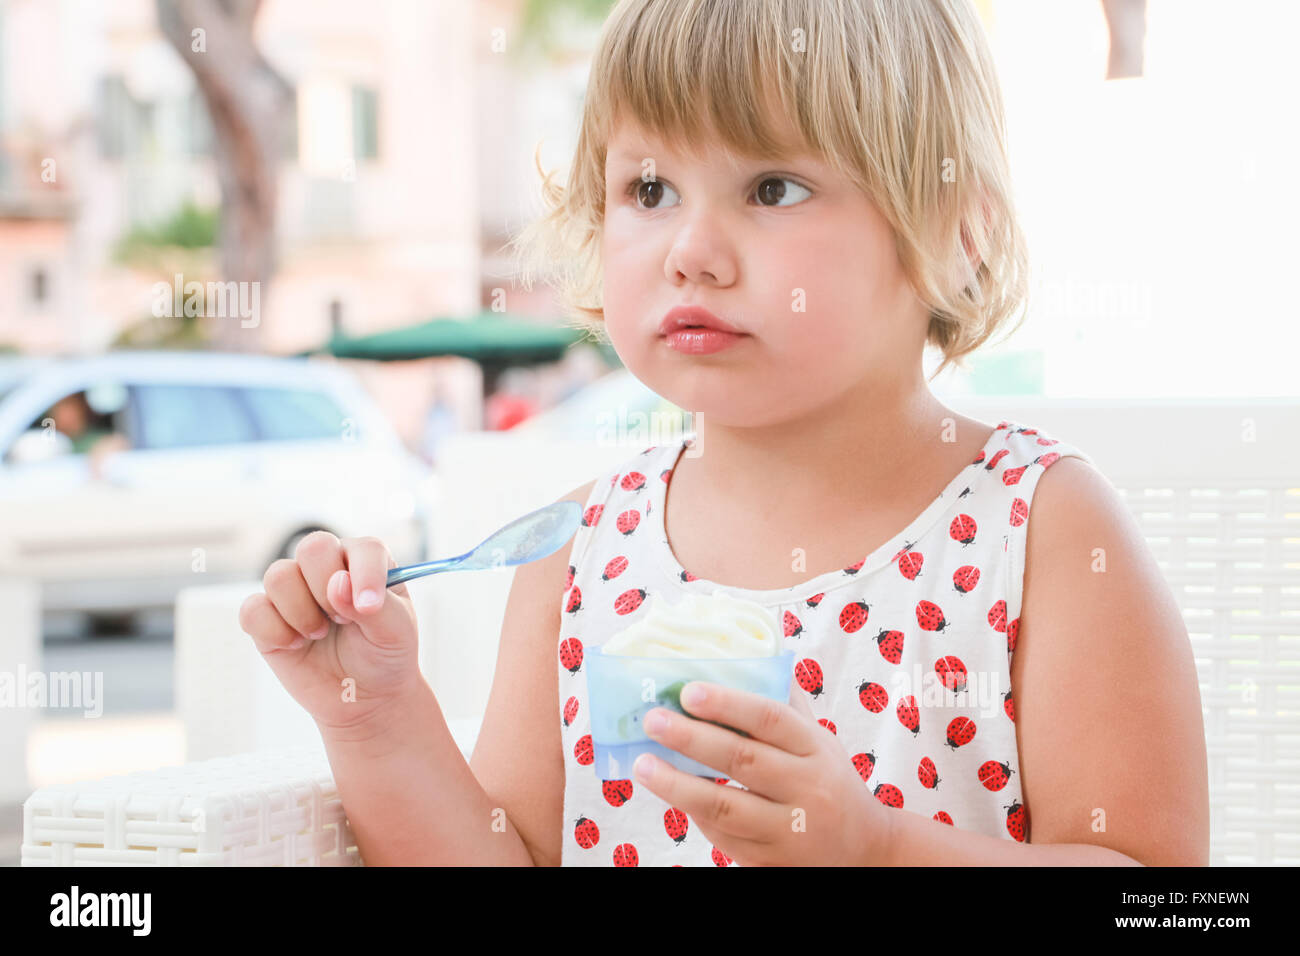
(525, 539)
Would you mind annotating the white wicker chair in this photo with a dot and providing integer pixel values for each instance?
(1215, 487)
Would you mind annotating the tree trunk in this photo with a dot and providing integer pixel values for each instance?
(246, 99)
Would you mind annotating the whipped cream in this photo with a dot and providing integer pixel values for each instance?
(716, 625)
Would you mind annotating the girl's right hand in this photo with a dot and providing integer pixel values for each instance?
(345, 673)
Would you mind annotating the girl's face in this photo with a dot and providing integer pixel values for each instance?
(787, 250)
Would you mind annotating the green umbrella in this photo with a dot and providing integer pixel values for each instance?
(490, 338)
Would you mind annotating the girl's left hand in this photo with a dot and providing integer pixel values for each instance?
(805, 803)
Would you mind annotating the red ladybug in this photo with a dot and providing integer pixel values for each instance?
(1009, 705)
(994, 775)
(965, 578)
(828, 724)
(575, 600)
(961, 730)
(633, 481)
(891, 645)
(909, 564)
(617, 792)
(628, 520)
(993, 462)
(855, 568)
(592, 515)
(625, 855)
(889, 795)
(571, 654)
(908, 714)
(927, 774)
(873, 696)
(998, 615)
(864, 764)
(942, 818)
(1012, 475)
(962, 529)
(1019, 512)
(629, 601)
(719, 858)
(687, 577)
(1046, 460)
(569, 582)
(665, 475)
(614, 568)
(815, 599)
(793, 627)
(809, 675)
(930, 616)
(1012, 630)
(570, 710)
(952, 672)
(675, 823)
(1018, 822)
(907, 546)
(978, 458)
(582, 751)
(586, 833)
(854, 616)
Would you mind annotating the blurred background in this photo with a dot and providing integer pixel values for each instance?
(252, 261)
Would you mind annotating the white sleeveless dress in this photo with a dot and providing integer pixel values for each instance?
(904, 656)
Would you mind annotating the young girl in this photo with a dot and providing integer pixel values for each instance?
(774, 207)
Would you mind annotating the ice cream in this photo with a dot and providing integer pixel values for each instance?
(699, 626)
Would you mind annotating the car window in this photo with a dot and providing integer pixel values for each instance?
(285, 414)
(182, 416)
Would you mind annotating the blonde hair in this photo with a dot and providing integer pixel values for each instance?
(901, 96)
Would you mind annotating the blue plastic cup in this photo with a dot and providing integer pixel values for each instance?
(621, 690)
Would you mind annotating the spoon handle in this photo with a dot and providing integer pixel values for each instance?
(412, 571)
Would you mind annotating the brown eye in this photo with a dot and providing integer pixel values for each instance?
(771, 191)
(649, 193)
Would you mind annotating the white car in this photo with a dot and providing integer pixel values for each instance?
(217, 465)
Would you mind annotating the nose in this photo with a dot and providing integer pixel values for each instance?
(701, 253)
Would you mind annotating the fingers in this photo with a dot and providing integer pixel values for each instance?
(288, 591)
(319, 556)
(259, 619)
(367, 563)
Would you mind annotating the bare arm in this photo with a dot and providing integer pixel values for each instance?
(1108, 708)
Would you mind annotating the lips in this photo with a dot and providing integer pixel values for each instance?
(696, 317)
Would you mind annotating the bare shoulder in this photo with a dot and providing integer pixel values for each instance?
(1107, 701)
(517, 758)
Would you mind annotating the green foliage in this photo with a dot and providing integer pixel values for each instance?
(190, 227)
(540, 19)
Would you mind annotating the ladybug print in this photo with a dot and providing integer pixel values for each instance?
(809, 675)
(962, 529)
(930, 616)
(853, 616)
(628, 521)
(891, 645)
(675, 824)
(864, 764)
(629, 601)
(908, 714)
(586, 834)
(927, 774)
(994, 775)
(873, 696)
(571, 655)
(952, 672)
(625, 855)
(1018, 822)
(889, 795)
(909, 564)
(998, 615)
(941, 618)
(961, 730)
(965, 578)
(617, 792)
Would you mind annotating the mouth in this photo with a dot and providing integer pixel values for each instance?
(695, 318)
